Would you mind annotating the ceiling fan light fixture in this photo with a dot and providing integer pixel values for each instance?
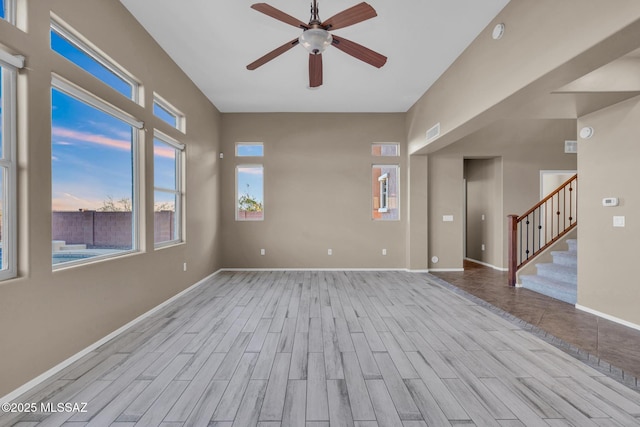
(315, 40)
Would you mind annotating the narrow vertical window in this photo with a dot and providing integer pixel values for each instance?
(385, 192)
(249, 193)
(168, 192)
(8, 231)
(94, 176)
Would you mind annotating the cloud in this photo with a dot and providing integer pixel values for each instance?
(164, 151)
(119, 144)
(250, 170)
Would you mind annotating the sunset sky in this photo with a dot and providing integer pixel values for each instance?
(91, 151)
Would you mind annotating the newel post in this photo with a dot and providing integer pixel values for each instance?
(513, 248)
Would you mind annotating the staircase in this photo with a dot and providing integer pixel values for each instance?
(559, 279)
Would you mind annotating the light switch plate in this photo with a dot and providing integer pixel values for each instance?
(618, 221)
(447, 218)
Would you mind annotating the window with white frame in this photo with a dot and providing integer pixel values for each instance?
(249, 149)
(249, 193)
(168, 113)
(386, 192)
(94, 158)
(72, 47)
(9, 66)
(8, 10)
(168, 192)
(249, 183)
(385, 149)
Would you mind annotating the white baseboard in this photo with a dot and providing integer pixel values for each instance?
(313, 269)
(608, 317)
(487, 265)
(445, 270)
(60, 366)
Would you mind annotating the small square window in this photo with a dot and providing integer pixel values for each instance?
(385, 149)
(254, 149)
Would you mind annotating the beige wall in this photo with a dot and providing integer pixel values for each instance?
(607, 277)
(317, 170)
(49, 316)
(547, 44)
(525, 147)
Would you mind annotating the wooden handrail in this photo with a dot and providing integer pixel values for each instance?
(522, 229)
(549, 196)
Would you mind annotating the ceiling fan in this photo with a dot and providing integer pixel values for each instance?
(316, 37)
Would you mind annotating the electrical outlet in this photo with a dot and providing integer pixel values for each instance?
(483, 246)
(184, 266)
(384, 252)
(483, 217)
(329, 252)
(263, 252)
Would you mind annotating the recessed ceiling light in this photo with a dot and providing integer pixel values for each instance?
(498, 32)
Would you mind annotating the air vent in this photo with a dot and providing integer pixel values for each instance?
(571, 147)
(434, 132)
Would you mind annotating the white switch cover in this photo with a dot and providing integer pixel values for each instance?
(262, 252)
(329, 252)
(618, 221)
(447, 218)
(483, 217)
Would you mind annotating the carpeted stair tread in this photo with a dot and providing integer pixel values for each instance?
(558, 279)
(559, 272)
(557, 289)
(568, 258)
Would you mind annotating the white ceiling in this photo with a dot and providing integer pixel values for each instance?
(214, 40)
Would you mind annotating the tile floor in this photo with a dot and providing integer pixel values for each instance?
(609, 341)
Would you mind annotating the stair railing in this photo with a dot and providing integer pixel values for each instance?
(542, 225)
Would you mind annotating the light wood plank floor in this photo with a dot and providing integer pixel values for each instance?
(317, 349)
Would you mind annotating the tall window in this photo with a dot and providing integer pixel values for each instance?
(249, 183)
(87, 57)
(168, 113)
(250, 193)
(385, 192)
(94, 176)
(8, 255)
(168, 193)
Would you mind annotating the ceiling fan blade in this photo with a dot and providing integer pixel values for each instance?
(315, 70)
(273, 54)
(353, 15)
(359, 52)
(279, 15)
